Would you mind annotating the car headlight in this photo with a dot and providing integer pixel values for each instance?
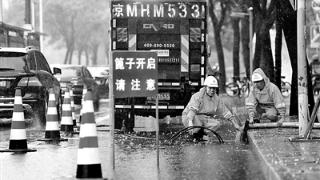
(29, 81)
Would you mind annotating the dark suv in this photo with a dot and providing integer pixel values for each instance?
(26, 68)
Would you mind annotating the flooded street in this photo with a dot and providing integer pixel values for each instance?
(134, 159)
(200, 161)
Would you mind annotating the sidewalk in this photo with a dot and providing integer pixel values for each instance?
(282, 159)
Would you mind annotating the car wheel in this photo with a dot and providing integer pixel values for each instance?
(39, 110)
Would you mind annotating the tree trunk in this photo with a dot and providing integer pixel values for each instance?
(289, 24)
(220, 54)
(288, 21)
(87, 57)
(278, 49)
(245, 44)
(95, 54)
(263, 20)
(66, 57)
(262, 57)
(71, 40)
(236, 48)
(217, 38)
(79, 56)
(266, 62)
(71, 54)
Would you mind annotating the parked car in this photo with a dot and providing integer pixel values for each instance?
(101, 76)
(26, 68)
(76, 76)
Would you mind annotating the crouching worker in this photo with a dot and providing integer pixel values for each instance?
(202, 108)
(265, 100)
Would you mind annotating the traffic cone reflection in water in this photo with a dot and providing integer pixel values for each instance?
(88, 161)
(18, 137)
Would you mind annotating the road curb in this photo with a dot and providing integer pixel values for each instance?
(269, 172)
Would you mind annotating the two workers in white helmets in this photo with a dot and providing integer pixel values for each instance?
(265, 100)
(202, 109)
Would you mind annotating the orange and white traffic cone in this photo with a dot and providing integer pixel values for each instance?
(84, 92)
(52, 124)
(73, 113)
(88, 161)
(72, 108)
(18, 137)
(66, 119)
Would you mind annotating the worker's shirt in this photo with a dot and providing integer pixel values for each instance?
(201, 103)
(269, 97)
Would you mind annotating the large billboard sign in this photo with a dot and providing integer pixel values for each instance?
(133, 9)
(135, 73)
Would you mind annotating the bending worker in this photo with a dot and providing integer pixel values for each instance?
(202, 108)
(265, 100)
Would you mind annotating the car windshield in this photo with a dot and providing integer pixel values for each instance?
(12, 62)
(70, 72)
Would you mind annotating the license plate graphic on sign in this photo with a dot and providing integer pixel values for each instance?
(161, 97)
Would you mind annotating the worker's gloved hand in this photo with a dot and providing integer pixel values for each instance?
(190, 123)
(280, 122)
(251, 120)
(239, 128)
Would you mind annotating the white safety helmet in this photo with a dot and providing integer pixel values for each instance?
(211, 81)
(256, 77)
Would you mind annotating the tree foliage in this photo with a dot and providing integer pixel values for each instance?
(14, 13)
(79, 24)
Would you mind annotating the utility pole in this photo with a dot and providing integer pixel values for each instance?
(111, 164)
(302, 69)
(250, 9)
(1, 4)
(27, 17)
(41, 24)
(33, 17)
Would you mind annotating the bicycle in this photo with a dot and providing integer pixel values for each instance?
(238, 87)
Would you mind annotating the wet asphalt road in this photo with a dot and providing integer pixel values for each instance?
(134, 159)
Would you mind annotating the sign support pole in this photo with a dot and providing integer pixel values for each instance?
(112, 109)
(157, 132)
(112, 119)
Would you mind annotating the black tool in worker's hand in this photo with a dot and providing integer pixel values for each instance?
(242, 134)
(244, 137)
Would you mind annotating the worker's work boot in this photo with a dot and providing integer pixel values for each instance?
(199, 135)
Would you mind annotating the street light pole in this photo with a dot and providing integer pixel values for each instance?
(250, 12)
